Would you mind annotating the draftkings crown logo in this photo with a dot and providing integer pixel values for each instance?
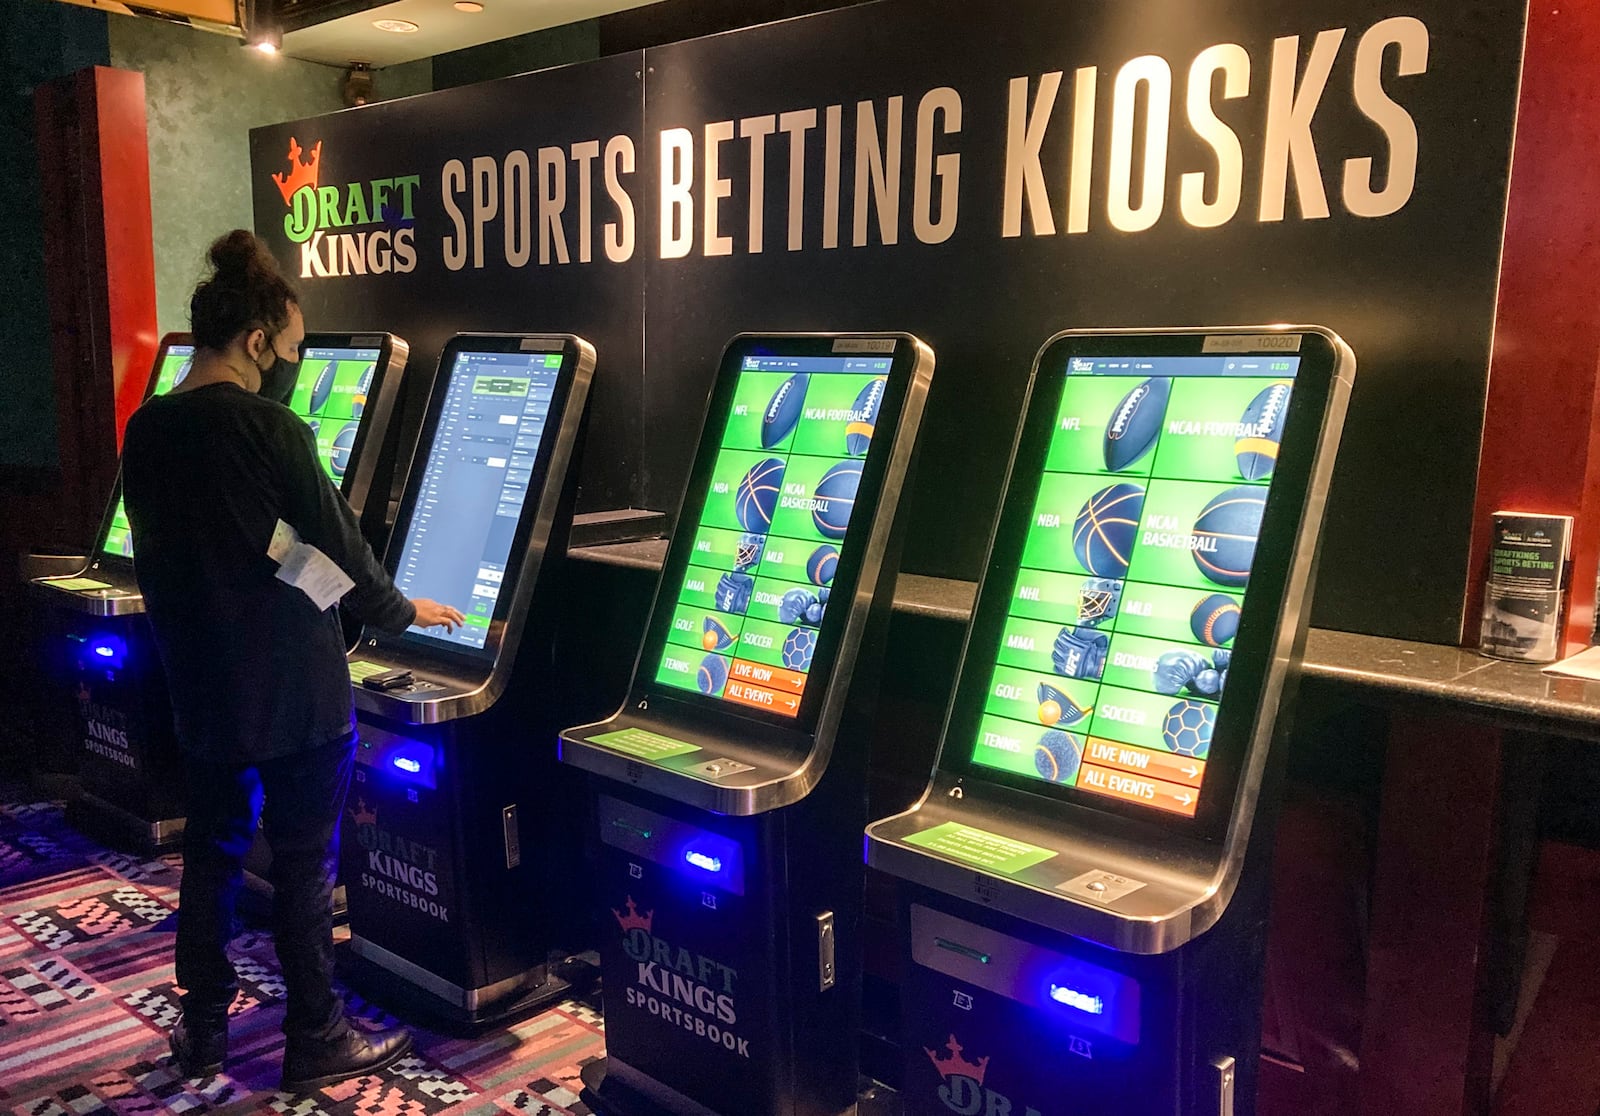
(358, 228)
(302, 172)
(961, 1084)
(954, 1065)
(633, 920)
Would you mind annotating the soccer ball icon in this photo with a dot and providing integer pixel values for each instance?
(1187, 728)
(797, 648)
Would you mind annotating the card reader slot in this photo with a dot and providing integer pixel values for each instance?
(629, 827)
(1078, 992)
(977, 955)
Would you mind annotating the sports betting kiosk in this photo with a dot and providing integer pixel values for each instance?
(345, 390)
(732, 782)
(443, 892)
(1084, 880)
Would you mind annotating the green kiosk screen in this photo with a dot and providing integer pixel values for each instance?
(174, 367)
(1114, 654)
(329, 393)
(775, 515)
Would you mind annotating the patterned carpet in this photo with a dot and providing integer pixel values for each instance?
(86, 997)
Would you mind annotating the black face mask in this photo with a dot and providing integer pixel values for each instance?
(278, 378)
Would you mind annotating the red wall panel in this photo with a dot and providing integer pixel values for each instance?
(1540, 438)
(100, 275)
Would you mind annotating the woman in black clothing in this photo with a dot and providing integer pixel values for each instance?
(260, 690)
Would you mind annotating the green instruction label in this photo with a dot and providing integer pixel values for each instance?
(988, 851)
(644, 744)
(78, 584)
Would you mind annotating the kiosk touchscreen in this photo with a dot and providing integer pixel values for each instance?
(345, 390)
(731, 784)
(440, 884)
(1083, 899)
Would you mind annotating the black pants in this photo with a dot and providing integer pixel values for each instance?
(305, 795)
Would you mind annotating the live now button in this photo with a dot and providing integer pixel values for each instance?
(1184, 770)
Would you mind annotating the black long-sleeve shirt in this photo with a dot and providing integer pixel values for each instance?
(255, 670)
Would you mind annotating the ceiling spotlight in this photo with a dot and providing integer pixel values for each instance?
(468, 6)
(261, 31)
(397, 26)
(357, 85)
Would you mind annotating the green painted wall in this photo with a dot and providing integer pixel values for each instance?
(555, 46)
(203, 94)
(39, 41)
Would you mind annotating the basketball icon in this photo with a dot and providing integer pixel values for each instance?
(758, 495)
(1226, 532)
(1105, 529)
(835, 499)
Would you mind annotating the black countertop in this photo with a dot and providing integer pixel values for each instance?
(1453, 680)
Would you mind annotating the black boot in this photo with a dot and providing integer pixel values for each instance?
(310, 1064)
(199, 1046)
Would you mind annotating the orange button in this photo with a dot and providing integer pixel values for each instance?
(1185, 770)
(759, 698)
(1132, 788)
(770, 677)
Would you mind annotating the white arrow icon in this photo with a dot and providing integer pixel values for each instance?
(1191, 771)
(1184, 799)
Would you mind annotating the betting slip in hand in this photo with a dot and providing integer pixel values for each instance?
(307, 569)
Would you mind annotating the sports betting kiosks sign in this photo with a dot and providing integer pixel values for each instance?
(983, 178)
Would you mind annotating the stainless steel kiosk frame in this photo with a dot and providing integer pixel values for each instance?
(443, 891)
(728, 865)
(1073, 953)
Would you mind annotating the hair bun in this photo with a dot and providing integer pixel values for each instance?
(241, 253)
(244, 291)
